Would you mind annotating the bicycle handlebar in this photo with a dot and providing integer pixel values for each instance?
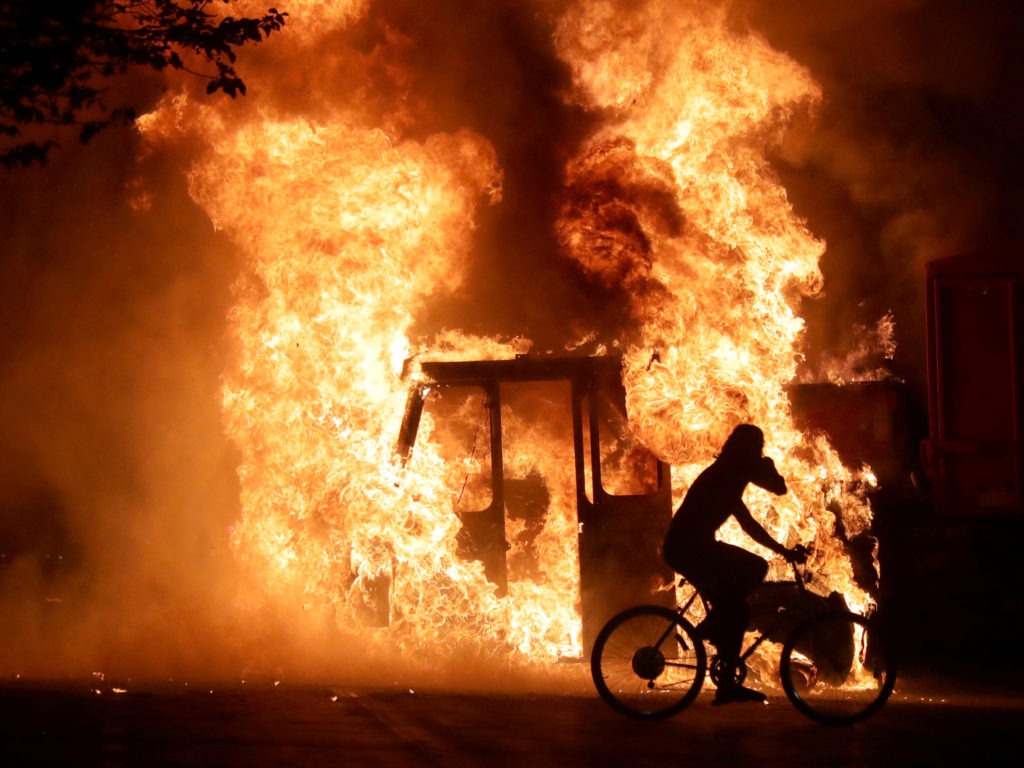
(798, 555)
(801, 554)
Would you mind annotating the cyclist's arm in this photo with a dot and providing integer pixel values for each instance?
(756, 531)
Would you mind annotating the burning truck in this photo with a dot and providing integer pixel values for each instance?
(617, 490)
(368, 232)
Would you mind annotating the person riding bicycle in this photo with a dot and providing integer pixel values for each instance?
(725, 575)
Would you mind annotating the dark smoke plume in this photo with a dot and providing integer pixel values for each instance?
(915, 155)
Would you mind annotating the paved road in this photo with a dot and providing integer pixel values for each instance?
(175, 724)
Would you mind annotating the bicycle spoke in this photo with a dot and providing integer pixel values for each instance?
(644, 663)
(837, 669)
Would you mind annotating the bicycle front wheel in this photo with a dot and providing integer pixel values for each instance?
(647, 662)
(837, 668)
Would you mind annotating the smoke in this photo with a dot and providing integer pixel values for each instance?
(117, 485)
(491, 67)
(914, 155)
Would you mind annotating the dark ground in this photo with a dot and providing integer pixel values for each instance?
(87, 723)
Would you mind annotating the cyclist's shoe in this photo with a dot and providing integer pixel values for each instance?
(734, 693)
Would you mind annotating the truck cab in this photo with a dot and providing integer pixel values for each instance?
(531, 432)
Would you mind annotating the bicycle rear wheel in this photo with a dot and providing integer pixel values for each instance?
(647, 662)
(837, 668)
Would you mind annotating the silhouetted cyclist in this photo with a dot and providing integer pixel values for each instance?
(725, 575)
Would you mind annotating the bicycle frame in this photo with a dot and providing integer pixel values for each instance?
(650, 662)
(762, 634)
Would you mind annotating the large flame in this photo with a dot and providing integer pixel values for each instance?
(351, 221)
(697, 227)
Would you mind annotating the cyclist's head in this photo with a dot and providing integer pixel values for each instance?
(743, 447)
(742, 454)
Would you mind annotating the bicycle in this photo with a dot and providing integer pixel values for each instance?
(836, 666)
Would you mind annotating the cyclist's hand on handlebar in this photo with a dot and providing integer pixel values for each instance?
(797, 554)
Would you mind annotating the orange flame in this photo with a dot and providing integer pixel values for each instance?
(712, 253)
(348, 226)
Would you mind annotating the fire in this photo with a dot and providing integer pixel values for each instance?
(863, 361)
(675, 200)
(352, 223)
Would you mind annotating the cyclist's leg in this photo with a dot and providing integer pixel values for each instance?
(726, 576)
(736, 573)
